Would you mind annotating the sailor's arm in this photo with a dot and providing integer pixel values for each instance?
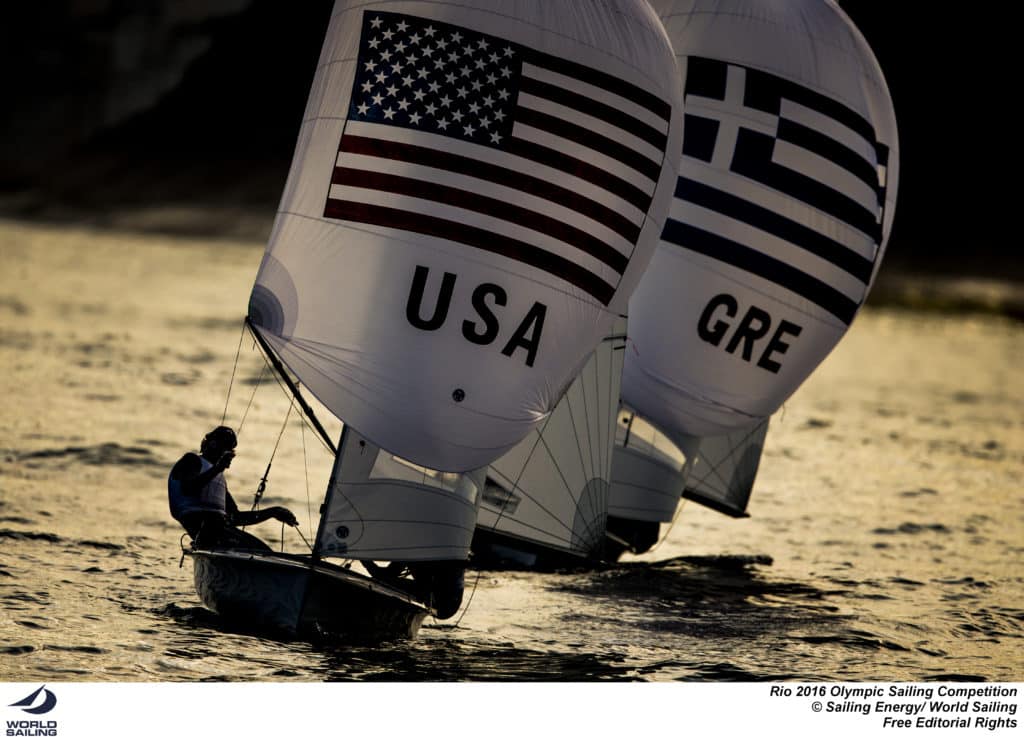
(241, 519)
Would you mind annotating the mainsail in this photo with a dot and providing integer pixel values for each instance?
(724, 468)
(476, 191)
(781, 214)
(551, 490)
(383, 507)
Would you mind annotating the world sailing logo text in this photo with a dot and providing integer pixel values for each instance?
(40, 701)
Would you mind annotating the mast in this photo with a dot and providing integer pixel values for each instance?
(279, 367)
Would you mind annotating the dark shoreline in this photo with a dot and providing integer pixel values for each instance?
(947, 293)
(944, 288)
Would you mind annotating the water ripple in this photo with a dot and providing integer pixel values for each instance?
(103, 454)
(912, 528)
(48, 537)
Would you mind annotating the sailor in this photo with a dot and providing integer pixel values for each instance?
(199, 498)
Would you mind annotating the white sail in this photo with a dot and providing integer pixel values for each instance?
(551, 490)
(382, 507)
(723, 471)
(476, 190)
(649, 470)
(781, 214)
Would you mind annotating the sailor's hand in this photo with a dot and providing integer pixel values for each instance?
(285, 516)
(225, 459)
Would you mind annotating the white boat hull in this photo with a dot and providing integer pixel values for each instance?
(296, 596)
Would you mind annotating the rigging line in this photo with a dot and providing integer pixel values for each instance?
(608, 441)
(617, 364)
(256, 386)
(284, 388)
(573, 537)
(540, 504)
(565, 483)
(729, 456)
(291, 385)
(713, 469)
(522, 470)
(716, 469)
(305, 468)
(287, 391)
(572, 424)
(586, 426)
(472, 593)
(284, 426)
(554, 459)
(263, 482)
(583, 465)
(231, 383)
(561, 475)
(599, 454)
(610, 416)
(308, 545)
(679, 510)
(613, 410)
(501, 512)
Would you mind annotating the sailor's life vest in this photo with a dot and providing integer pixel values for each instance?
(210, 498)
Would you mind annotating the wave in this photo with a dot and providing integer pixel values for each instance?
(103, 454)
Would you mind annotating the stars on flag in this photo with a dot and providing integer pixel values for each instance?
(421, 74)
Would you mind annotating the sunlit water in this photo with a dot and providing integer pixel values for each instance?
(886, 540)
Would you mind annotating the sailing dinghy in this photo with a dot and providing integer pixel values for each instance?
(779, 222)
(781, 213)
(475, 192)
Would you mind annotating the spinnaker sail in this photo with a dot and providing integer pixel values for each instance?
(474, 195)
(781, 213)
(779, 222)
(476, 191)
